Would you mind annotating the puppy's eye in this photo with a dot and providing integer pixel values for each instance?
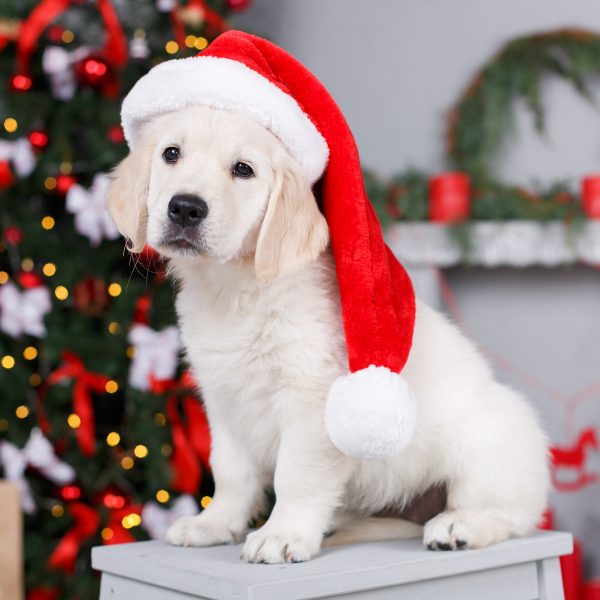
(171, 155)
(241, 169)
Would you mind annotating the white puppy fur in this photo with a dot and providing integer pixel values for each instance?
(261, 323)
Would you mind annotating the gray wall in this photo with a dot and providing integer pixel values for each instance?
(396, 67)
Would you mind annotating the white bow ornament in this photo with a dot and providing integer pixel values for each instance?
(58, 64)
(156, 520)
(23, 312)
(156, 353)
(92, 218)
(20, 154)
(38, 453)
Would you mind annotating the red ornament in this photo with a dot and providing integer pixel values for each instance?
(70, 492)
(20, 82)
(111, 500)
(38, 139)
(12, 235)
(449, 197)
(92, 71)
(29, 279)
(90, 297)
(547, 520)
(116, 135)
(6, 175)
(238, 4)
(590, 196)
(64, 182)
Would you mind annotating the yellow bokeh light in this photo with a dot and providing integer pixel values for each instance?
(131, 520)
(27, 264)
(111, 386)
(114, 289)
(127, 462)
(140, 451)
(47, 222)
(57, 510)
(22, 412)
(206, 500)
(139, 34)
(201, 43)
(65, 168)
(166, 450)
(113, 327)
(50, 183)
(49, 269)
(163, 496)
(130, 351)
(113, 438)
(74, 421)
(8, 362)
(190, 41)
(30, 353)
(67, 36)
(61, 292)
(34, 380)
(3, 424)
(171, 47)
(3, 277)
(160, 419)
(107, 533)
(10, 124)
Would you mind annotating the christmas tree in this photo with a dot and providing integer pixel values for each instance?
(95, 412)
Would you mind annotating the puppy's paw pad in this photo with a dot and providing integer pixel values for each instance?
(274, 549)
(194, 531)
(446, 532)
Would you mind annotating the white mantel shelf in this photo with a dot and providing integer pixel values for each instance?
(496, 244)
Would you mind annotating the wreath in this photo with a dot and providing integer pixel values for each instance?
(479, 123)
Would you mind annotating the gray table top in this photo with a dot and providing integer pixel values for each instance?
(218, 573)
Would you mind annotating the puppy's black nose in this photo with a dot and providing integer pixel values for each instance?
(187, 210)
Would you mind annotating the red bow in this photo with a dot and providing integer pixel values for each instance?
(191, 442)
(85, 382)
(121, 535)
(115, 47)
(86, 524)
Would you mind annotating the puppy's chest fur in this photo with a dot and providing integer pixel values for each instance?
(253, 346)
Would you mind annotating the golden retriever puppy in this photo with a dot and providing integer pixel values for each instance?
(259, 313)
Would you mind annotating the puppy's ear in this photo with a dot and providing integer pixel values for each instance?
(293, 232)
(128, 193)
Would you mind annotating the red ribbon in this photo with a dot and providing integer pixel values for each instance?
(115, 524)
(85, 383)
(115, 47)
(86, 524)
(191, 441)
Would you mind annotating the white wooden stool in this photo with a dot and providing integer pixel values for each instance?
(520, 569)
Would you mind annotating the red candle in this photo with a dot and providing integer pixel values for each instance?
(591, 589)
(590, 196)
(449, 197)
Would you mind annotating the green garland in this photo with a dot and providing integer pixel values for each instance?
(480, 121)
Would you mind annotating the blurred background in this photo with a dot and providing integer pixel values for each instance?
(478, 126)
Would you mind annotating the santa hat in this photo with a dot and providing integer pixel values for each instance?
(370, 412)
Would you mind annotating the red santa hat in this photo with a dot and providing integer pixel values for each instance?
(370, 412)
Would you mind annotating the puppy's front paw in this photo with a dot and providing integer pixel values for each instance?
(265, 546)
(196, 531)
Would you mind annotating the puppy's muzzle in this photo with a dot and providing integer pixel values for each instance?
(187, 210)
